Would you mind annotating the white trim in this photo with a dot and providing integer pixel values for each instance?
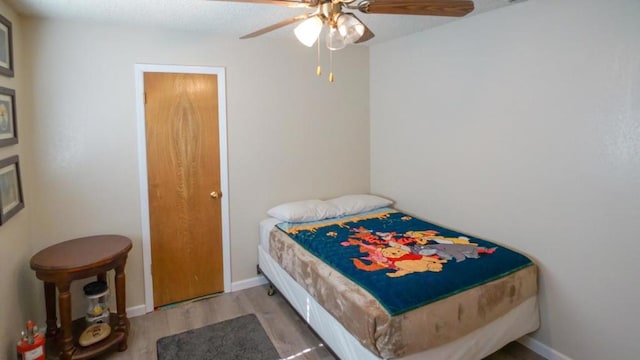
(248, 283)
(137, 310)
(140, 69)
(542, 349)
(259, 280)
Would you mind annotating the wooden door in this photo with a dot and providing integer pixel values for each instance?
(183, 166)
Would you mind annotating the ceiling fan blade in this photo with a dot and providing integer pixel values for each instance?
(289, 3)
(368, 34)
(278, 25)
(454, 8)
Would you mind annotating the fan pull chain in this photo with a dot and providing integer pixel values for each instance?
(330, 40)
(330, 66)
(318, 68)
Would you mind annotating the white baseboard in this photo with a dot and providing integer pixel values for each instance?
(542, 349)
(137, 310)
(248, 283)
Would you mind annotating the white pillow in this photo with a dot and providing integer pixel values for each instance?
(357, 203)
(303, 211)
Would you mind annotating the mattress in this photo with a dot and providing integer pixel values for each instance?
(356, 312)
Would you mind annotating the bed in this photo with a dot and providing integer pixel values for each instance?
(342, 270)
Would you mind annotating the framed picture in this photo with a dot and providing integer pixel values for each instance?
(8, 127)
(6, 47)
(10, 188)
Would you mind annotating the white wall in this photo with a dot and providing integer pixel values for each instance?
(290, 134)
(522, 126)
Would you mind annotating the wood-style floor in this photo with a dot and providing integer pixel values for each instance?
(290, 335)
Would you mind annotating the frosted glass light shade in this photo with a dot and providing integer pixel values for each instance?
(350, 28)
(308, 31)
(335, 41)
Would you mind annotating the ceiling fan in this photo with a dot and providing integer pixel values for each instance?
(343, 27)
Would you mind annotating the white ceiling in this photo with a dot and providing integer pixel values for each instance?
(228, 18)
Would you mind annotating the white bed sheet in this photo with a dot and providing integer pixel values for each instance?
(265, 228)
(474, 346)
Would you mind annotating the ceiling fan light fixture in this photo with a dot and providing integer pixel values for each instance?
(335, 40)
(308, 31)
(350, 28)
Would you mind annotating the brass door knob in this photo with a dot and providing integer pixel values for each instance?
(215, 194)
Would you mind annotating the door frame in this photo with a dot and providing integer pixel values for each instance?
(140, 69)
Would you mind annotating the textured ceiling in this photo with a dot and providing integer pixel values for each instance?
(226, 18)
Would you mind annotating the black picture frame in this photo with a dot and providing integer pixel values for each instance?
(8, 122)
(6, 47)
(11, 200)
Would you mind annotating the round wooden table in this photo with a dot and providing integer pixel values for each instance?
(60, 264)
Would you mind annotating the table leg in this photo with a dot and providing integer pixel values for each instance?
(50, 306)
(120, 305)
(64, 299)
(102, 277)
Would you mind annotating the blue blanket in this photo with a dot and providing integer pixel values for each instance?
(404, 262)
